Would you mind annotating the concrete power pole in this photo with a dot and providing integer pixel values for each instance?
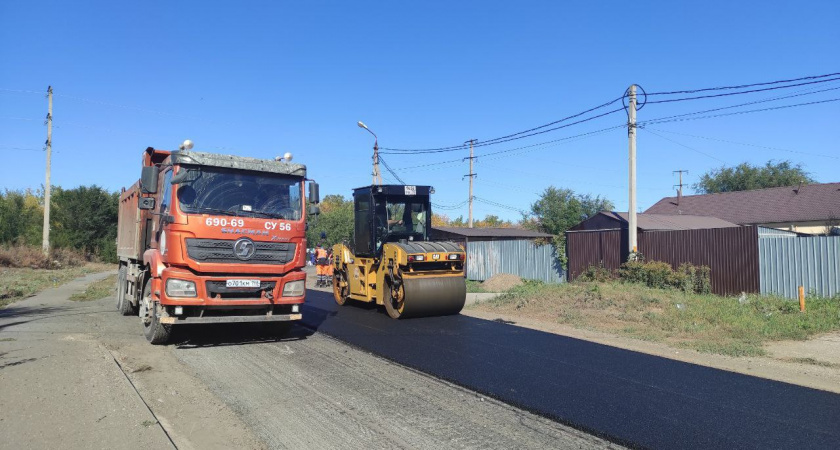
(632, 226)
(471, 175)
(46, 237)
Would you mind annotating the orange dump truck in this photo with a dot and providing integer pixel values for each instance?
(207, 238)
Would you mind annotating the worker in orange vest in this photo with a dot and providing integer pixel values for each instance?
(321, 269)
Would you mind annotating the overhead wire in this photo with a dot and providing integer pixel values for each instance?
(388, 168)
(481, 144)
(746, 144)
(682, 119)
(727, 94)
(742, 86)
(683, 145)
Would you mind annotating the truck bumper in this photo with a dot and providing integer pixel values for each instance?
(230, 298)
(229, 319)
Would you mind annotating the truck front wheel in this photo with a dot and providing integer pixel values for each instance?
(156, 333)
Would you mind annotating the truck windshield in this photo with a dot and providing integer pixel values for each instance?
(215, 190)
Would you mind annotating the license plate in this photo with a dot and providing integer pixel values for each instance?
(243, 283)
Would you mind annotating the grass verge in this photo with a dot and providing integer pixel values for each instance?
(707, 323)
(474, 286)
(96, 290)
(19, 283)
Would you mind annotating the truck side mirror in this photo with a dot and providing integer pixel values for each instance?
(146, 203)
(314, 196)
(149, 180)
(314, 210)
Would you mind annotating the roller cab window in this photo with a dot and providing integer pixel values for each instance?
(404, 218)
(215, 190)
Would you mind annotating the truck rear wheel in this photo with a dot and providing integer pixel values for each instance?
(123, 305)
(156, 333)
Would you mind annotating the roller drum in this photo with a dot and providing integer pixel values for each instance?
(433, 296)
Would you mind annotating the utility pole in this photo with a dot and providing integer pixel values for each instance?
(471, 175)
(46, 237)
(680, 186)
(631, 134)
(377, 177)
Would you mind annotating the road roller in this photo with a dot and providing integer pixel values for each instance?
(392, 261)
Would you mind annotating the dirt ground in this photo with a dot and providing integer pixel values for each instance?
(79, 375)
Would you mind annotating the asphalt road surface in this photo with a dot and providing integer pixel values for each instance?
(626, 397)
(79, 375)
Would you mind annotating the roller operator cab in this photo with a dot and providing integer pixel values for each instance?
(207, 238)
(391, 260)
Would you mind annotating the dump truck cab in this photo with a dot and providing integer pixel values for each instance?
(391, 260)
(208, 238)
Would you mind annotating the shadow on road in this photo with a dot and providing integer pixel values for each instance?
(190, 337)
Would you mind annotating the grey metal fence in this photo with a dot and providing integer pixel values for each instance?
(519, 257)
(786, 263)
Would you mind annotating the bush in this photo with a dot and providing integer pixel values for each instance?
(33, 257)
(656, 274)
(595, 273)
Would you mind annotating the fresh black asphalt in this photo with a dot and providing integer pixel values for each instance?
(631, 398)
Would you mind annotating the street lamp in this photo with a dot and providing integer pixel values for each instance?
(377, 177)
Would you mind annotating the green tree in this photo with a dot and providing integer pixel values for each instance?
(85, 218)
(559, 209)
(335, 220)
(21, 217)
(745, 176)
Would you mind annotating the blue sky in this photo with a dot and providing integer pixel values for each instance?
(263, 78)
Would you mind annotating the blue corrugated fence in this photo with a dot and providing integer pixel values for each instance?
(518, 257)
(786, 263)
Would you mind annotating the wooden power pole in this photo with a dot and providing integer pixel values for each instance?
(632, 226)
(46, 237)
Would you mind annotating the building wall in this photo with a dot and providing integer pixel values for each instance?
(813, 227)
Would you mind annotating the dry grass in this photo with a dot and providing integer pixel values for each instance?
(19, 256)
(19, 283)
(95, 291)
(706, 323)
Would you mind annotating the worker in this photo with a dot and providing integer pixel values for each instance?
(321, 270)
(418, 218)
(330, 259)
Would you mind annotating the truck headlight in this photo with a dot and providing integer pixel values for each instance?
(294, 288)
(180, 288)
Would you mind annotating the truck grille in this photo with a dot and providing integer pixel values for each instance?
(221, 251)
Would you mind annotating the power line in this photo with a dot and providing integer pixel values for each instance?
(727, 94)
(755, 102)
(500, 205)
(388, 168)
(742, 86)
(662, 119)
(514, 136)
(483, 144)
(745, 144)
(532, 147)
(451, 207)
(684, 146)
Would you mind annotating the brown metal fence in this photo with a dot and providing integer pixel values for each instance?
(730, 253)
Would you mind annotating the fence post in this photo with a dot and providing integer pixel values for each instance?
(802, 298)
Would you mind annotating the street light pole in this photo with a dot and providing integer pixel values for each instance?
(377, 177)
